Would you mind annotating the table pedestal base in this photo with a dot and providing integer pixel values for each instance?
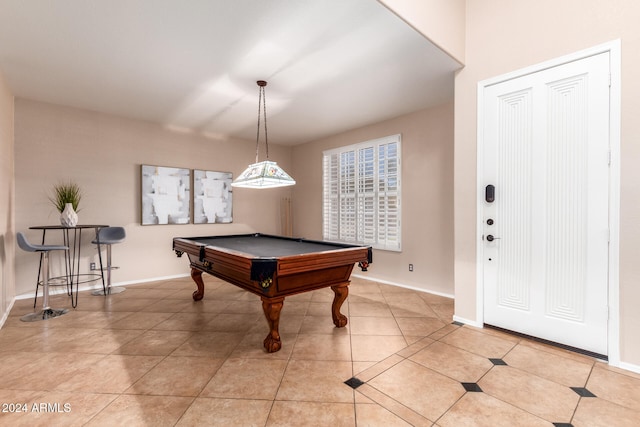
(272, 306)
(341, 292)
(44, 314)
(114, 290)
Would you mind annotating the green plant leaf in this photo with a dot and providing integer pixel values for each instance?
(64, 193)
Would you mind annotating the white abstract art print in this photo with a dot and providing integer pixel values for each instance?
(166, 195)
(212, 201)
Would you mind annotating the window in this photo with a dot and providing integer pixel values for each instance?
(361, 193)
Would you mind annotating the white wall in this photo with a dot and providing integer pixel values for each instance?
(440, 21)
(103, 155)
(427, 197)
(7, 231)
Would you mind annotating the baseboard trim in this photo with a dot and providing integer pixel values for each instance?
(400, 285)
(5, 315)
(62, 289)
(629, 367)
(467, 321)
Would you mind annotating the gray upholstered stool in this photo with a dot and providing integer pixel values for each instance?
(108, 236)
(47, 312)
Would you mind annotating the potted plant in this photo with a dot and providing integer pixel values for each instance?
(66, 198)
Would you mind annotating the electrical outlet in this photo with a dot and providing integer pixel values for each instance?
(410, 267)
(92, 266)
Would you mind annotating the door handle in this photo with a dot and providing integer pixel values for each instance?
(490, 238)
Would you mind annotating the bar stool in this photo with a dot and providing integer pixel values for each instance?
(47, 312)
(108, 236)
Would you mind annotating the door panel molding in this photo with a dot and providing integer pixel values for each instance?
(613, 48)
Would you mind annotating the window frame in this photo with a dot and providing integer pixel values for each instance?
(354, 191)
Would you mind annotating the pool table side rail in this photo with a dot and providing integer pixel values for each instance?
(184, 243)
(201, 253)
(209, 239)
(300, 263)
(293, 274)
(291, 264)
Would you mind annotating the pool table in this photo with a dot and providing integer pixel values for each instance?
(274, 267)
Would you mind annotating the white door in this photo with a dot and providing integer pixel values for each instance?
(545, 234)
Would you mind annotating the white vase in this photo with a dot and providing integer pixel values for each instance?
(68, 217)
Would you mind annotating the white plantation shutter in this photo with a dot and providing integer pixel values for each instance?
(388, 196)
(331, 207)
(366, 208)
(361, 193)
(347, 216)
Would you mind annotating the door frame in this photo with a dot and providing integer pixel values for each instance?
(614, 50)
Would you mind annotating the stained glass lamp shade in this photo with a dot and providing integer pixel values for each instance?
(265, 174)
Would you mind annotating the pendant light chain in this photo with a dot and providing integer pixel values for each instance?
(262, 103)
(264, 110)
(264, 174)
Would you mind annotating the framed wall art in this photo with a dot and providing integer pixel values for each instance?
(166, 195)
(212, 197)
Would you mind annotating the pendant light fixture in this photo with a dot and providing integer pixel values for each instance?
(265, 174)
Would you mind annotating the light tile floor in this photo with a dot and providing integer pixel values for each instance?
(151, 356)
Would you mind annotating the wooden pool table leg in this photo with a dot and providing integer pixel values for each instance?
(341, 292)
(196, 275)
(272, 308)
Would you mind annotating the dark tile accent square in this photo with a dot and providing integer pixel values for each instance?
(583, 392)
(353, 382)
(473, 387)
(563, 424)
(457, 323)
(497, 362)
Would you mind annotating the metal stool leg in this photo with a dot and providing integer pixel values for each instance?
(47, 312)
(104, 287)
(109, 290)
(35, 298)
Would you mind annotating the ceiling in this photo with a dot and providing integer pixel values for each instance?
(331, 65)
